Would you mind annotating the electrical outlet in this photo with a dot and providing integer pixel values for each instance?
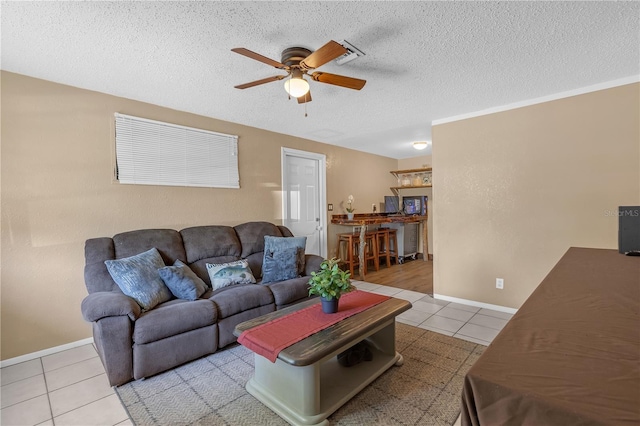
(499, 283)
(330, 207)
(373, 207)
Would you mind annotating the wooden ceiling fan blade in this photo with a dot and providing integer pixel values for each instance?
(258, 57)
(259, 82)
(339, 80)
(326, 53)
(306, 98)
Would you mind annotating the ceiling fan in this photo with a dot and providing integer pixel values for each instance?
(298, 62)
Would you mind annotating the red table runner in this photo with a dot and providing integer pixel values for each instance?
(270, 338)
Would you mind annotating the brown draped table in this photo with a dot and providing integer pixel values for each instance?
(362, 220)
(570, 355)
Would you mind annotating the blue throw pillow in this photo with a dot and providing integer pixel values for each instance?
(226, 274)
(137, 276)
(182, 281)
(275, 244)
(280, 265)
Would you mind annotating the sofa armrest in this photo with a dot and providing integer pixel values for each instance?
(103, 304)
(312, 263)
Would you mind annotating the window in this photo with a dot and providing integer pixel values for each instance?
(151, 152)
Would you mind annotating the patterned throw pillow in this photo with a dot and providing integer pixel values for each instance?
(226, 274)
(182, 281)
(280, 265)
(137, 276)
(276, 244)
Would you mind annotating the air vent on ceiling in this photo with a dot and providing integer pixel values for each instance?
(352, 53)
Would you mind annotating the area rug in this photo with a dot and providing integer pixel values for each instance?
(426, 390)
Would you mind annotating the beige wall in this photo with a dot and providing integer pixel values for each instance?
(57, 190)
(516, 189)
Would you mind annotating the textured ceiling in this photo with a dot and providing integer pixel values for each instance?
(424, 60)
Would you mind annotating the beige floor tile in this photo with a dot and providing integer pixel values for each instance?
(46, 423)
(73, 373)
(20, 371)
(386, 290)
(488, 321)
(22, 390)
(423, 306)
(105, 411)
(463, 307)
(68, 357)
(442, 323)
(365, 285)
(439, 302)
(409, 295)
(79, 394)
(414, 316)
(31, 412)
(127, 422)
(453, 313)
(496, 314)
(479, 332)
(406, 321)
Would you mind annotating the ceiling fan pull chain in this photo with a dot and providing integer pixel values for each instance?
(305, 109)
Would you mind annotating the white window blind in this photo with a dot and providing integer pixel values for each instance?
(151, 152)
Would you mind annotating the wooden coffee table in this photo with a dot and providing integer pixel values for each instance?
(306, 384)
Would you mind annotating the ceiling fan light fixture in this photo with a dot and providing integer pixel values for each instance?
(420, 145)
(296, 86)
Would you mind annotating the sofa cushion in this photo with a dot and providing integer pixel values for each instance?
(205, 242)
(137, 276)
(172, 318)
(96, 276)
(290, 291)
(234, 299)
(182, 281)
(226, 274)
(251, 236)
(168, 242)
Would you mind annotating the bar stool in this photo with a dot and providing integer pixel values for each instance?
(372, 248)
(387, 244)
(349, 250)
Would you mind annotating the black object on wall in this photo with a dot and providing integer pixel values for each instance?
(628, 229)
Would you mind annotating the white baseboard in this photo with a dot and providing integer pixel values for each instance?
(474, 303)
(45, 352)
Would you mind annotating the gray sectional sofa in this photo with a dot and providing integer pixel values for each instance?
(134, 344)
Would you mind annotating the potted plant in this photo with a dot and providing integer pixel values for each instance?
(330, 283)
(350, 208)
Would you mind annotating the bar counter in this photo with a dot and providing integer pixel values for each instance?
(363, 220)
(374, 218)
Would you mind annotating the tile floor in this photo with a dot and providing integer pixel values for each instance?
(70, 387)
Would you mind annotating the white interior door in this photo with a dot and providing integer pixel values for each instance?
(303, 198)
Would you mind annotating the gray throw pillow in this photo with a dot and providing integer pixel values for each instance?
(275, 244)
(226, 274)
(280, 265)
(137, 276)
(182, 281)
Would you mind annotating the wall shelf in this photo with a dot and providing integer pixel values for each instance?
(412, 179)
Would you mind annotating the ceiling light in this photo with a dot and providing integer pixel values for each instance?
(420, 145)
(296, 86)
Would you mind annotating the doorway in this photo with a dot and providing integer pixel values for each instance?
(304, 197)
